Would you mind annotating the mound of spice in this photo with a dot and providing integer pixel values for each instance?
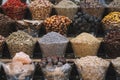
(85, 44)
(20, 68)
(112, 20)
(40, 9)
(112, 43)
(53, 44)
(55, 68)
(92, 67)
(20, 41)
(14, 9)
(7, 25)
(57, 24)
(92, 7)
(66, 8)
(114, 6)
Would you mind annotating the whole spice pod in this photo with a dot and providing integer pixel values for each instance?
(66, 8)
(111, 21)
(20, 41)
(7, 25)
(112, 43)
(92, 67)
(92, 7)
(53, 44)
(14, 9)
(85, 45)
(40, 9)
(57, 23)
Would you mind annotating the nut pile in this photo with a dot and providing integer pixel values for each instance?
(92, 67)
(53, 44)
(66, 8)
(112, 43)
(40, 9)
(85, 44)
(20, 41)
(112, 20)
(57, 24)
(6, 25)
(55, 68)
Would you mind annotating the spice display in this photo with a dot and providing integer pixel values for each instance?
(116, 64)
(57, 24)
(14, 9)
(53, 44)
(17, 69)
(112, 20)
(112, 43)
(85, 44)
(92, 7)
(7, 25)
(20, 41)
(2, 41)
(92, 67)
(40, 9)
(66, 8)
(55, 68)
(84, 22)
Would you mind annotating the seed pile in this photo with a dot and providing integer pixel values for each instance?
(84, 22)
(20, 41)
(66, 8)
(85, 44)
(40, 9)
(92, 67)
(6, 25)
(53, 44)
(53, 37)
(57, 24)
(14, 9)
(112, 43)
(112, 20)
(55, 68)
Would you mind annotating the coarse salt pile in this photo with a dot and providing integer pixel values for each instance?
(85, 44)
(21, 64)
(92, 67)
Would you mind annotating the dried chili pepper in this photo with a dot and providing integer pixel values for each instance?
(14, 9)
